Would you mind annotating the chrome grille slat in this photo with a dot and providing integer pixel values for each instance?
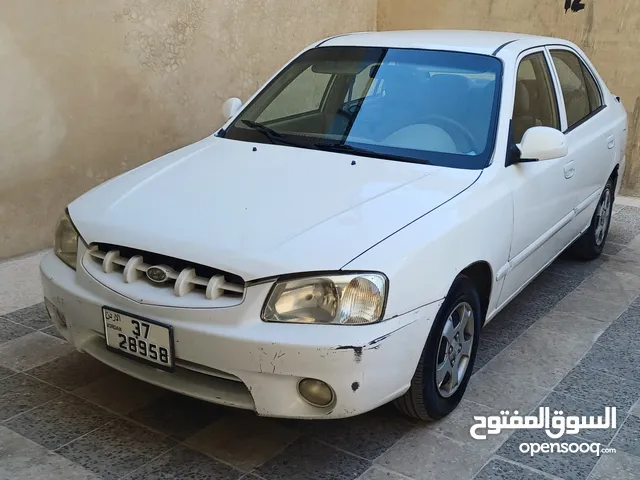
(185, 281)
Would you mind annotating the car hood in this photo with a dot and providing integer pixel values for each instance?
(262, 210)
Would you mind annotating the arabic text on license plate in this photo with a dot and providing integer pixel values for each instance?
(142, 339)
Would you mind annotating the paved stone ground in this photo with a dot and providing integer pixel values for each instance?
(570, 341)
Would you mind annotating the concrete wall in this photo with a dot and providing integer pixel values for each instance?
(608, 30)
(89, 89)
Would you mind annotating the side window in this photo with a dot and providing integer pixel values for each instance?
(595, 97)
(535, 101)
(303, 95)
(579, 88)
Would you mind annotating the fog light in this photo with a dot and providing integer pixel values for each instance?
(315, 392)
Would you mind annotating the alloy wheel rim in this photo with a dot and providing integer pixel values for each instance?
(454, 352)
(603, 216)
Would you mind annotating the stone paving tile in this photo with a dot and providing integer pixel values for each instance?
(22, 459)
(367, 436)
(600, 388)
(5, 372)
(542, 356)
(491, 387)
(585, 305)
(116, 449)
(554, 286)
(426, 451)
(628, 215)
(377, 473)
(20, 393)
(10, 330)
(424, 454)
(242, 439)
(621, 232)
(611, 248)
(611, 286)
(71, 371)
(120, 393)
(35, 316)
(504, 329)
(53, 331)
(307, 458)
(499, 469)
(581, 328)
(628, 437)
(486, 351)
(619, 357)
(527, 309)
(59, 421)
(616, 466)
(32, 350)
(567, 466)
(183, 463)
(177, 416)
(577, 269)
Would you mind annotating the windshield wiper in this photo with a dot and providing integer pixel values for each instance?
(273, 135)
(343, 148)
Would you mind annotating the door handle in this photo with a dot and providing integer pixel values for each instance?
(569, 170)
(611, 142)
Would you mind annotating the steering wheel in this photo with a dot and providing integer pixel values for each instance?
(454, 128)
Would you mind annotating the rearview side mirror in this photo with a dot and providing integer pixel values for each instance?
(543, 143)
(231, 107)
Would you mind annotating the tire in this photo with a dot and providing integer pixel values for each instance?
(425, 400)
(590, 245)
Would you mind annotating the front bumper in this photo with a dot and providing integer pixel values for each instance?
(248, 363)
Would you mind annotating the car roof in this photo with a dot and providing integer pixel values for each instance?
(472, 41)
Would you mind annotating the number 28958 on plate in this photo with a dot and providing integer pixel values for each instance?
(138, 338)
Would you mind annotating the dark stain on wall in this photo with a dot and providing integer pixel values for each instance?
(574, 5)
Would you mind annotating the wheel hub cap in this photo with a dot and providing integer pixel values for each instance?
(603, 216)
(455, 349)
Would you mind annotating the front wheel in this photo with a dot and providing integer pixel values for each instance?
(446, 363)
(590, 245)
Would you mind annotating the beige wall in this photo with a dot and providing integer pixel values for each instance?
(89, 89)
(608, 31)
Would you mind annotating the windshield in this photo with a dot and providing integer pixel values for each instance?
(422, 106)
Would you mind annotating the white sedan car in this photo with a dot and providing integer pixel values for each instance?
(342, 240)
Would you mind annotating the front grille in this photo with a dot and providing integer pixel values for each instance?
(185, 277)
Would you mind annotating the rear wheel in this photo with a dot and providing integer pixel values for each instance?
(590, 245)
(446, 363)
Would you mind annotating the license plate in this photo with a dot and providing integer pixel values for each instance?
(139, 338)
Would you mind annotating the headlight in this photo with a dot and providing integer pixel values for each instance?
(65, 243)
(342, 299)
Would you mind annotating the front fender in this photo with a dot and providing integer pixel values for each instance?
(423, 259)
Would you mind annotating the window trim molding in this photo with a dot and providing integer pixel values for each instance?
(583, 65)
(554, 97)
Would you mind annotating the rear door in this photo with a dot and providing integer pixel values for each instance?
(588, 126)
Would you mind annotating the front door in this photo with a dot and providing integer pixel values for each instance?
(544, 193)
